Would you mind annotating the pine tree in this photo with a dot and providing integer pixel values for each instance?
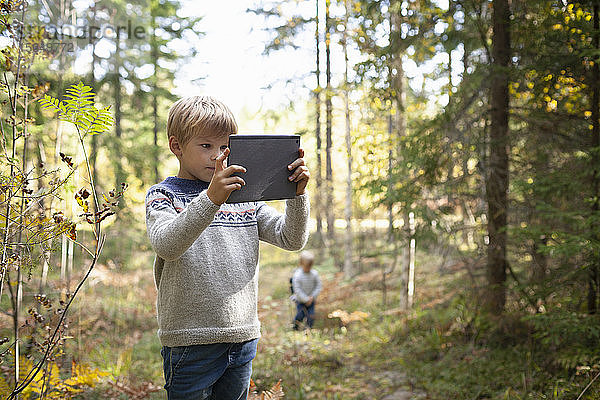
(498, 175)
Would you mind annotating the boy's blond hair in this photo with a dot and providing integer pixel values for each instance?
(199, 115)
(307, 256)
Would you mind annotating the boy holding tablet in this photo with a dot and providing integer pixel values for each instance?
(206, 265)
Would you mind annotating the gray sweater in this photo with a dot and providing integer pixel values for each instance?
(306, 285)
(206, 264)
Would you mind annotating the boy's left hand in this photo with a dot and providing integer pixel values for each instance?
(301, 175)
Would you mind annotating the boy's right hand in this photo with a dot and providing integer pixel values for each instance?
(222, 183)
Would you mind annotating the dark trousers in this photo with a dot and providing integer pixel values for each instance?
(304, 311)
(219, 371)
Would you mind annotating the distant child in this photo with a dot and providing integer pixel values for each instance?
(307, 285)
(206, 264)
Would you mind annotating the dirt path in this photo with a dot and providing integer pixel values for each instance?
(325, 354)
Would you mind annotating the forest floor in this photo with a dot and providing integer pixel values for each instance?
(359, 347)
(342, 357)
(347, 354)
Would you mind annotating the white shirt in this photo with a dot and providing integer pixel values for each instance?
(306, 285)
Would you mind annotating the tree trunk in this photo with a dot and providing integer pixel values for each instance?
(41, 156)
(20, 248)
(390, 206)
(155, 132)
(450, 87)
(397, 84)
(498, 173)
(470, 224)
(406, 262)
(540, 261)
(411, 263)
(319, 176)
(465, 61)
(328, 116)
(118, 146)
(594, 272)
(94, 139)
(58, 147)
(154, 45)
(349, 248)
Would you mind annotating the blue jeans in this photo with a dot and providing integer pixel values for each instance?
(304, 311)
(219, 371)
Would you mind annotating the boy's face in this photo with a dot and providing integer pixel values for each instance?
(306, 265)
(197, 157)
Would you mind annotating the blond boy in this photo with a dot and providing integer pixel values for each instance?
(206, 264)
(307, 286)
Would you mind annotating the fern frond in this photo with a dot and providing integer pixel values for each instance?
(103, 122)
(78, 108)
(79, 98)
(80, 93)
(50, 103)
(275, 393)
(94, 121)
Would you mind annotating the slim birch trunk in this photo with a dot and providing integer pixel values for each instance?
(329, 212)
(349, 248)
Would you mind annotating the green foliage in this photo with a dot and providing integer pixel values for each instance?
(536, 362)
(78, 108)
(441, 163)
(52, 383)
(284, 28)
(572, 338)
(543, 347)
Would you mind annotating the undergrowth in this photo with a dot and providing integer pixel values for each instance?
(446, 348)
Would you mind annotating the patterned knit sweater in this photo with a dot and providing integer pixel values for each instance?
(206, 264)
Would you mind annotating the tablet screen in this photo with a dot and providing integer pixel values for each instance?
(265, 158)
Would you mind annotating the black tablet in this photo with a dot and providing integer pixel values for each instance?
(266, 159)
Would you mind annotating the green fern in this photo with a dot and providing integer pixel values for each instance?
(79, 97)
(78, 108)
(94, 121)
(49, 102)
